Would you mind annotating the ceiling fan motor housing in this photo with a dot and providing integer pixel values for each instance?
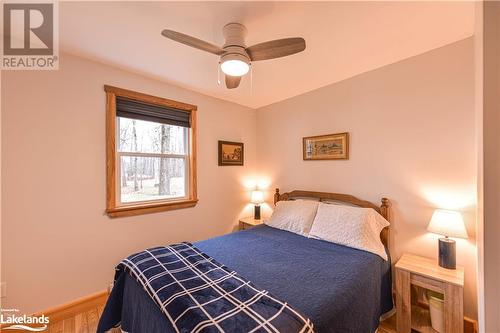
(234, 34)
(234, 47)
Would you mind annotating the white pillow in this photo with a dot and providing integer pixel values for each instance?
(295, 216)
(355, 227)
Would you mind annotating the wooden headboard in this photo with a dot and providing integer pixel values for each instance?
(345, 198)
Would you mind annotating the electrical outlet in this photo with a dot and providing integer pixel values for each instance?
(3, 289)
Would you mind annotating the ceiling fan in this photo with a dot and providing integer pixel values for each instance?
(235, 57)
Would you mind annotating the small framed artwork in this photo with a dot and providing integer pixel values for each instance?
(326, 147)
(230, 153)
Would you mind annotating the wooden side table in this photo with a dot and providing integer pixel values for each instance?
(426, 273)
(249, 222)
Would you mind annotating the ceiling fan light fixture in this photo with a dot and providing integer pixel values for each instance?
(235, 67)
(235, 63)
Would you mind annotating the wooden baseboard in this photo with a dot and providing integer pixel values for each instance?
(74, 307)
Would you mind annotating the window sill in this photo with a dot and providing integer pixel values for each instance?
(139, 209)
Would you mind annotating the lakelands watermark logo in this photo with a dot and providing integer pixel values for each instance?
(10, 319)
(30, 36)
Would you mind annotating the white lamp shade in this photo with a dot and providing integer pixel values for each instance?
(447, 223)
(257, 197)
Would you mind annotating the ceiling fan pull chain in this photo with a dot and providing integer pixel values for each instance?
(251, 79)
(218, 73)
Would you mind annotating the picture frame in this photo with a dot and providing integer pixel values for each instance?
(231, 153)
(326, 147)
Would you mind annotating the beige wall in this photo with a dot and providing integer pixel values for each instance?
(491, 142)
(412, 134)
(57, 243)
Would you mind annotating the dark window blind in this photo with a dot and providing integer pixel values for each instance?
(130, 108)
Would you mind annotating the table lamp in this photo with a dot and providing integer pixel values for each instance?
(257, 198)
(449, 224)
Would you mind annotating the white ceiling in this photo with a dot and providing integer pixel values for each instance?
(343, 39)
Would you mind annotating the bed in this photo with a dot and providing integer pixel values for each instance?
(339, 288)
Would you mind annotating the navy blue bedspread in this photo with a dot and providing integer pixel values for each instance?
(339, 288)
(198, 294)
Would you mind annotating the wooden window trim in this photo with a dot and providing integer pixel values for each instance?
(114, 210)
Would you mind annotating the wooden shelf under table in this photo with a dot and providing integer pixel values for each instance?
(421, 320)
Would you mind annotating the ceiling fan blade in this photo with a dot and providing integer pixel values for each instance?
(232, 81)
(276, 48)
(192, 41)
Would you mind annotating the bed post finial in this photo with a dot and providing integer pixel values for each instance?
(277, 196)
(384, 208)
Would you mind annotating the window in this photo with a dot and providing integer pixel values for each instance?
(151, 149)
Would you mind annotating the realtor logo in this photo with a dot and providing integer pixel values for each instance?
(11, 319)
(30, 39)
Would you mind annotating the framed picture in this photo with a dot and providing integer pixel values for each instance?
(326, 147)
(230, 153)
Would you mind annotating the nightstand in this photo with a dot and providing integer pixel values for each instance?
(427, 274)
(249, 222)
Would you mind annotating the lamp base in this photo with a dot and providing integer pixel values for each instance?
(256, 214)
(447, 253)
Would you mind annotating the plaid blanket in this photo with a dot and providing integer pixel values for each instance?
(198, 294)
